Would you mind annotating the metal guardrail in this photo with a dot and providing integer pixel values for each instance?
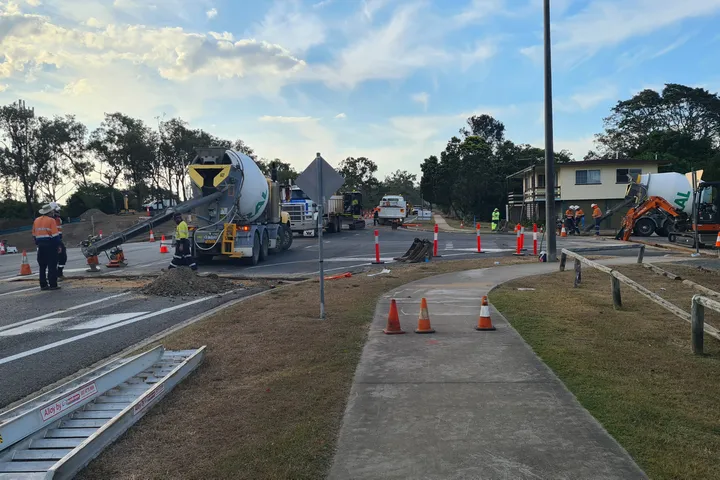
(71, 437)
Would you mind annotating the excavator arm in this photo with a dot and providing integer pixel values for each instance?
(637, 212)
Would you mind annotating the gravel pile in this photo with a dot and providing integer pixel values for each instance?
(93, 213)
(183, 282)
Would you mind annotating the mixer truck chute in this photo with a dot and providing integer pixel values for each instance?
(237, 207)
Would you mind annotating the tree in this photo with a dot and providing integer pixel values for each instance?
(286, 173)
(359, 174)
(26, 149)
(66, 140)
(679, 126)
(485, 127)
(429, 180)
(402, 183)
(93, 195)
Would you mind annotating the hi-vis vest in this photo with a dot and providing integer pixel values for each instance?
(495, 216)
(45, 231)
(181, 231)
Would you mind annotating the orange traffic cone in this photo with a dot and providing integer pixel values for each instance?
(424, 319)
(25, 266)
(717, 241)
(152, 236)
(485, 322)
(393, 323)
(462, 224)
(163, 247)
(563, 233)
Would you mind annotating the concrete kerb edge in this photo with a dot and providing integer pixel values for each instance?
(135, 348)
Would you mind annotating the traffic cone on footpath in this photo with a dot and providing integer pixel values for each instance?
(424, 319)
(393, 322)
(152, 237)
(25, 266)
(485, 322)
(563, 233)
(163, 247)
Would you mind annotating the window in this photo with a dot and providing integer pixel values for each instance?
(541, 181)
(621, 174)
(587, 177)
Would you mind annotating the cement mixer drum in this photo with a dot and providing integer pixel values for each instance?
(673, 187)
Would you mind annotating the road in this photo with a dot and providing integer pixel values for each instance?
(45, 336)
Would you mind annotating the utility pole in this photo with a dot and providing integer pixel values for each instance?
(549, 148)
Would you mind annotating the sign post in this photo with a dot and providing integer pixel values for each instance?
(319, 181)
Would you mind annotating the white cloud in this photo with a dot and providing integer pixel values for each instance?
(370, 7)
(323, 3)
(4, 86)
(579, 147)
(483, 51)
(287, 24)
(340, 116)
(590, 98)
(212, 13)
(77, 88)
(281, 119)
(669, 48)
(422, 98)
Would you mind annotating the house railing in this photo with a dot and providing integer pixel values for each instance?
(528, 197)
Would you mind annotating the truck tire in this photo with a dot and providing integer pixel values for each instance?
(662, 231)
(331, 227)
(288, 239)
(264, 248)
(644, 227)
(254, 259)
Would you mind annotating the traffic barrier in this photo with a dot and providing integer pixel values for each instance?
(518, 245)
(485, 322)
(377, 249)
(535, 241)
(25, 266)
(393, 322)
(479, 242)
(424, 319)
(152, 236)
(435, 241)
(163, 247)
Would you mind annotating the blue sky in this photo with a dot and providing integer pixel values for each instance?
(387, 79)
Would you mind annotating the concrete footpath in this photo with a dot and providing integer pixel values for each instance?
(463, 404)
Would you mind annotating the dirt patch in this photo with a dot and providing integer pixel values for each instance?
(268, 401)
(93, 214)
(633, 368)
(184, 282)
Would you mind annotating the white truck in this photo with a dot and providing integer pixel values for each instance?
(392, 208)
(304, 212)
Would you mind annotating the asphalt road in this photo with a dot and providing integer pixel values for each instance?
(45, 336)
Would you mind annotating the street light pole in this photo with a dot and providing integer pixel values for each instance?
(549, 148)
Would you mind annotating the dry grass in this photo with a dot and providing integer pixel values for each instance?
(632, 369)
(267, 402)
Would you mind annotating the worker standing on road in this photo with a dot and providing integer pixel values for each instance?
(576, 219)
(495, 219)
(597, 213)
(569, 220)
(46, 236)
(375, 217)
(182, 256)
(579, 218)
(62, 253)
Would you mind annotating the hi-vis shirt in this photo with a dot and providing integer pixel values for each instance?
(496, 215)
(45, 231)
(181, 231)
(58, 222)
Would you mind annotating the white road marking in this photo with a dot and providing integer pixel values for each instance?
(105, 320)
(39, 325)
(83, 336)
(59, 312)
(19, 291)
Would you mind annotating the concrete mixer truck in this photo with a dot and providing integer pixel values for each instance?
(237, 209)
(666, 204)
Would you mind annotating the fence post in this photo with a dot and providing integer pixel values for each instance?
(641, 254)
(697, 315)
(578, 273)
(617, 299)
(563, 260)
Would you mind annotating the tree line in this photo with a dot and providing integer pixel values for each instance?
(42, 157)
(679, 127)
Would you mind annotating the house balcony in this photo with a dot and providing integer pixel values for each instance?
(530, 196)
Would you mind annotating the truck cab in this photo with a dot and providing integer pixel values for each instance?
(392, 209)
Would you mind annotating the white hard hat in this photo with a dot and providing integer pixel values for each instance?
(593, 205)
(47, 209)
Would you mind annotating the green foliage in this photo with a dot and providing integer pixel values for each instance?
(93, 195)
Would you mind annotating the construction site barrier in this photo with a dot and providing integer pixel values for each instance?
(435, 241)
(377, 249)
(419, 251)
(477, 233)
(535, 240)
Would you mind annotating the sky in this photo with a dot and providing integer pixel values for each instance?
(391, 80)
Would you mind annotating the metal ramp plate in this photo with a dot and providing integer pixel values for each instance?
(71, 438)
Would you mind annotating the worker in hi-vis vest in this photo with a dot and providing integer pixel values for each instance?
(597, 213)
(182, 256)
(46, 236)
(495, 219)
(579, 218)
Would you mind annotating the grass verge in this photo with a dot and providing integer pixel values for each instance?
(632, 369)
(268, 400)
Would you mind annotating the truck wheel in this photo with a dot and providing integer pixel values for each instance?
(255, 258)
(662, 232)
(264, 247)
(288, 239)
(331, 227)
(644, 227)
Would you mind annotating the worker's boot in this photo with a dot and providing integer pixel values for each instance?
(60, 275)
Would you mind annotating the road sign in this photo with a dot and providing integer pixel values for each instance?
(309, 183)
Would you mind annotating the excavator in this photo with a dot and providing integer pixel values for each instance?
(667, 204)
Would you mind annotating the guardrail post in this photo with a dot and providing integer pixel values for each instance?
(697, 315)
(578, 273)
(641, 254)
(617, 299)
(563, 260)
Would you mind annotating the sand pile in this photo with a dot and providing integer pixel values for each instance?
(96, 215)
(183, 282)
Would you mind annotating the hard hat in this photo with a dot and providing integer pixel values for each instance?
(47, 209)
(594, 205)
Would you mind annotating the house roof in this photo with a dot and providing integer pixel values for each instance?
(589, 163)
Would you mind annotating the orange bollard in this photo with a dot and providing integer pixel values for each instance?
(424, 319)
(393, 323)
(25, 266)
(485, 322)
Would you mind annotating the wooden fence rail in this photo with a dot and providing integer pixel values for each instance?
(696, 319)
